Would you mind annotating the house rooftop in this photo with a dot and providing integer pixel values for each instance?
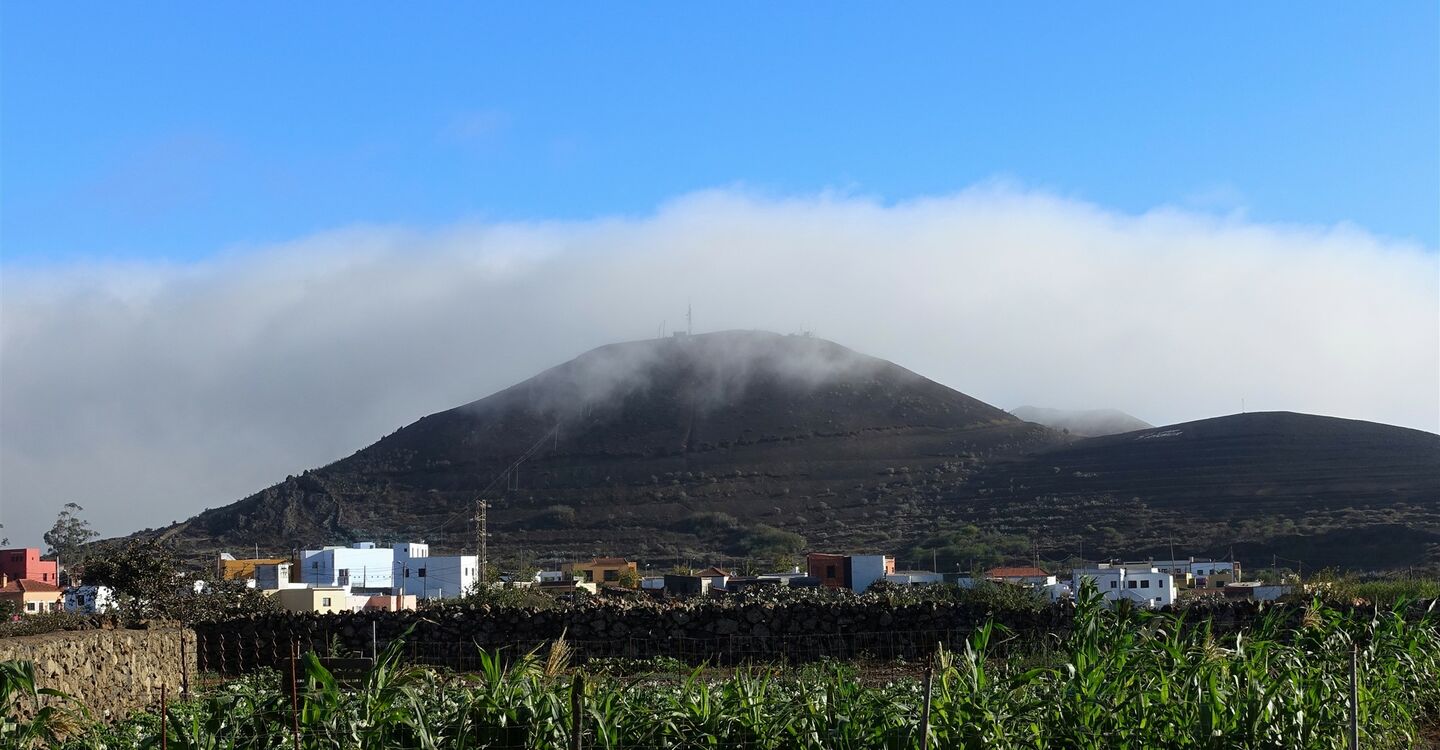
(712, 571)
(28, 586)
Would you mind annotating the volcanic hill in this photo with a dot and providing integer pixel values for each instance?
(748, 444)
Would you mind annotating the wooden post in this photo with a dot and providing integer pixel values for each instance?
(925, 710)
(1354, 698)
(577, 706)
(164, 720)
(184, 669)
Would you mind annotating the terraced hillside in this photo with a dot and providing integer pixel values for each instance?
(1321, 490)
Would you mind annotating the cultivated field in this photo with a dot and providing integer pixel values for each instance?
(1118, 680)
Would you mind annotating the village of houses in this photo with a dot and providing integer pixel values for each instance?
(366, 576)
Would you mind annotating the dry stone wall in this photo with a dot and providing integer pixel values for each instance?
(717, 634)
(112, 672)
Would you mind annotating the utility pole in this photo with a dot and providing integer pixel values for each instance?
(481, 533)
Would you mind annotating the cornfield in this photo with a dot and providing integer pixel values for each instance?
(1119, 679)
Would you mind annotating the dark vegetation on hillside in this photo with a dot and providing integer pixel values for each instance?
(754, 445)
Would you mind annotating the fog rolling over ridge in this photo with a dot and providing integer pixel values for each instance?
(1083, 422)
(715, 371)
(148, 391)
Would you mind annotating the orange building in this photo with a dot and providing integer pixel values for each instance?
(854, 572)
(603, 569)
(227, 568)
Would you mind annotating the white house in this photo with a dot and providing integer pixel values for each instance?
(1056, 591)
(361, 568)
(90, 600)
(914, 577)
(867, 569)
(1144, 586)
(428, 577)
(1203, 573)
(1021, 576)
(275, 576)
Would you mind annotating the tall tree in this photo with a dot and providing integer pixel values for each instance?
(70, 533)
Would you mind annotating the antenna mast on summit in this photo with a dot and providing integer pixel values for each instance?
(689, 321)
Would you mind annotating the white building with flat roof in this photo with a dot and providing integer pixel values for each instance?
(1202, 573)
(441, 577)
(362, 567)
(1143, 586)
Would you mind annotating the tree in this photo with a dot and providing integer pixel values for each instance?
(70, 534)
(151, 582)
(4, 540)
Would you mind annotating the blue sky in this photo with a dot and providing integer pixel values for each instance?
(280, 231)
(175, 132)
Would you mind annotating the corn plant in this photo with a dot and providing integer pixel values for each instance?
(1118, 678)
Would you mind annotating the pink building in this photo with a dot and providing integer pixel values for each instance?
(25, 564)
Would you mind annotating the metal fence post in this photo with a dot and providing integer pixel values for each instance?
(294, 697)
(1354, 698)
(925, 711)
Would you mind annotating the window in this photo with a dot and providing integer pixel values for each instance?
(829, 571)
(422, 572)
(612, 575)
(1145, 584)
(315, 565)
(324, 601)
(29, 606)
(1160, 583)
(1131, 584)
(1112, 584)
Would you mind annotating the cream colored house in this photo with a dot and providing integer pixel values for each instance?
(30, 597)
(322, 599)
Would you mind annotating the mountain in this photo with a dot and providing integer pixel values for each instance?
(749, 444)
(685, 446)
(1085, 423)
(1322, 490)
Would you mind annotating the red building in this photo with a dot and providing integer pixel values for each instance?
(25, 563)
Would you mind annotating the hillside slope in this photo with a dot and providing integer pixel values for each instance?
(1322, 490)
(646, 442)
(750, 444)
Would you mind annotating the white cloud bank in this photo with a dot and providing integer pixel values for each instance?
(148, 392)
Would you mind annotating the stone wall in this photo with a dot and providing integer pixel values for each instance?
(718, 634)
(112, 672)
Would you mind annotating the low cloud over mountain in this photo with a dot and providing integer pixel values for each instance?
(147, 392)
